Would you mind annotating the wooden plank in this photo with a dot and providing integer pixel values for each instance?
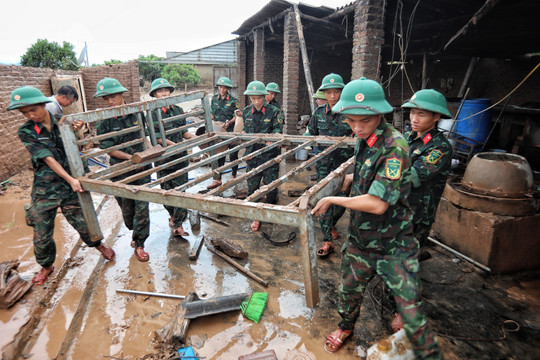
(305, 58)
(194, 251)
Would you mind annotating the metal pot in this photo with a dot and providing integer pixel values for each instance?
(498, 174)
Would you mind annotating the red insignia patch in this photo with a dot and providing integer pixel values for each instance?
(372, 139)
(427, 138)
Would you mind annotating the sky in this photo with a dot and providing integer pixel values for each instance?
(123, 30)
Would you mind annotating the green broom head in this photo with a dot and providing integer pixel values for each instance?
(253, 306)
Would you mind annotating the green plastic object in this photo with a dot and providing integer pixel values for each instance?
(253, 306)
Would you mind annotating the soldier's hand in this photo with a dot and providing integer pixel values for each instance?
(347, 181)
(238, 113)
(322, 206)
(77, 125)
(76, 186)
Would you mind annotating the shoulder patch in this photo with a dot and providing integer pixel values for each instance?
(393, 168)
(434, 156)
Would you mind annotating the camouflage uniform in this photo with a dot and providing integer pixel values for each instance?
(50, 191)
(276, 103)
(135, 212)
(431, 158)
(268, 120)
(223, 109)
(384, 244)
(324, 122)
(177, 214)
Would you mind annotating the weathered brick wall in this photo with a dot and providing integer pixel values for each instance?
(13, 155)
(242, 72)
(259, 55)
(291, 74)
(273, 70)
(127, 74)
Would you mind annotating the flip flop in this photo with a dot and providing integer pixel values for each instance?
(334, 340)
(255, 225)
(141, 254)
(326, 249)
(179, 231)
(42, 276)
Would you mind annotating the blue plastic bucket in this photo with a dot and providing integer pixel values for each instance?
(478, 126)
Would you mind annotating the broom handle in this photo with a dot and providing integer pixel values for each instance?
(238, 266)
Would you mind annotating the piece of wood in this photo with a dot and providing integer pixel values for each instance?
(194, 219)
(305, 58)
(194, 251)
(221, 222)
(12, 287)
(147, 154)
(175, 331)
(237, 265)
(229, 247)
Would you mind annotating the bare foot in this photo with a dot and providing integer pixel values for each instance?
(179, 231)
(255, 225)
(214, 184)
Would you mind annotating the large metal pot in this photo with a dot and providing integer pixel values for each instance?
(499, 174)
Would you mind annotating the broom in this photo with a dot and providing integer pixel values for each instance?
(253, 306)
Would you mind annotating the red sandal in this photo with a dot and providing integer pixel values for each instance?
(326, 249)
(141, 254)
(41, 277)
(179, 231)
(335, 340)
(397, 323)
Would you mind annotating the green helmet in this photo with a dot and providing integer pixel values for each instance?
(319, 95)
(332, 81)
(273, 87)
(26, 95)
(108, 86)
(224, 81)
(255, 88)
(431, 100)
(160, 83)
(362, 97)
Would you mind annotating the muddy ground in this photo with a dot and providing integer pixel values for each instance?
(79, 315)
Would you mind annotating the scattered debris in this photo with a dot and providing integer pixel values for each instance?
(221, 222)
(194, 251)
(172, 296)
(229, 247)
(265, 355)
(12, 287)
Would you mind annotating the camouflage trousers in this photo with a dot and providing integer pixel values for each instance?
(178, 215)
(233, 156)
(136, 215)
(41, 214)
(401, 277)
(267, 176)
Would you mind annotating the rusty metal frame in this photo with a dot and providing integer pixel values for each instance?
(296, 213)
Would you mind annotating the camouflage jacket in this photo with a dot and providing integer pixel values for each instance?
(177, 137)
(117, 124)
(223, 108)
(41, 144)
(431, 158)
(276, 103)
(268, 120)
(382, 169)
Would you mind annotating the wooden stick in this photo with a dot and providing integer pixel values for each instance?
(221, 222)
(237, 265)
(194, 251)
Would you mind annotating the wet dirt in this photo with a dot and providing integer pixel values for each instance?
(85, 318)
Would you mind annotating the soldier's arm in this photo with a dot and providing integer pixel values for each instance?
(312, 125)
(431, 164)
(59, 169)
(366, 203)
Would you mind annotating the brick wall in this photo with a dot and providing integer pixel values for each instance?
(13, 155)
(259, 55)
(242, 72)
(291, 74)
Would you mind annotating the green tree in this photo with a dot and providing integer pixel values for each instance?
(47, 54)
(178, 74)
(149, 70)
(113, 61)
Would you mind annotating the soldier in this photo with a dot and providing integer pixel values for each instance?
(134, 212)
(53, 185)
(319, 97)
(259, 117)
(273, 90)
(160, 89)
(431, 158)
(224, 109)
(324, 122)
(380, 238)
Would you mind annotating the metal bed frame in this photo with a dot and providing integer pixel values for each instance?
(296, 213)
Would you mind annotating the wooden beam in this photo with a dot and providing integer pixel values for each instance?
(305, 59)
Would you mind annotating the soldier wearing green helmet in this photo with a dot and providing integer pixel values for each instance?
(53, 185)
(320, 98)
(380, 239)
(224, 108)
(135, 213)
(160, 89)
(259, 117)
(431, 156)
(324, 122)
(273, 90)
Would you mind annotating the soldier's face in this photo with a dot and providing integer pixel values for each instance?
(332, 95)
(363, 125)
(114, 99)
(423, 120)
(64, 101)
(223, 90)
(257, 101)
(163, 92)
(271, 95)
(37, 113)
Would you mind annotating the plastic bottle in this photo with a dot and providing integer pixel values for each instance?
(395, 347)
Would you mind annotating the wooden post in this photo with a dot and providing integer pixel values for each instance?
(424, 71)
(307, 249)
(305, 59)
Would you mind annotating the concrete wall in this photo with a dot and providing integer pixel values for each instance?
(13, 155)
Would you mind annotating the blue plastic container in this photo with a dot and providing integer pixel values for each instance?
(478, 126)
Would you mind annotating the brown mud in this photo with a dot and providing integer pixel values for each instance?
(79, 315)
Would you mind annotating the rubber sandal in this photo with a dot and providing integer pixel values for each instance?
(141, 254)
(335, 233)
(179, 231)
(41, 277)
(397, 323)
(334, 340)
(106, 251)
(255, 225)
(214, 184)
(326, 249)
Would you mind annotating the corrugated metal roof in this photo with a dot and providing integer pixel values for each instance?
(274, 7)
(222, 53)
